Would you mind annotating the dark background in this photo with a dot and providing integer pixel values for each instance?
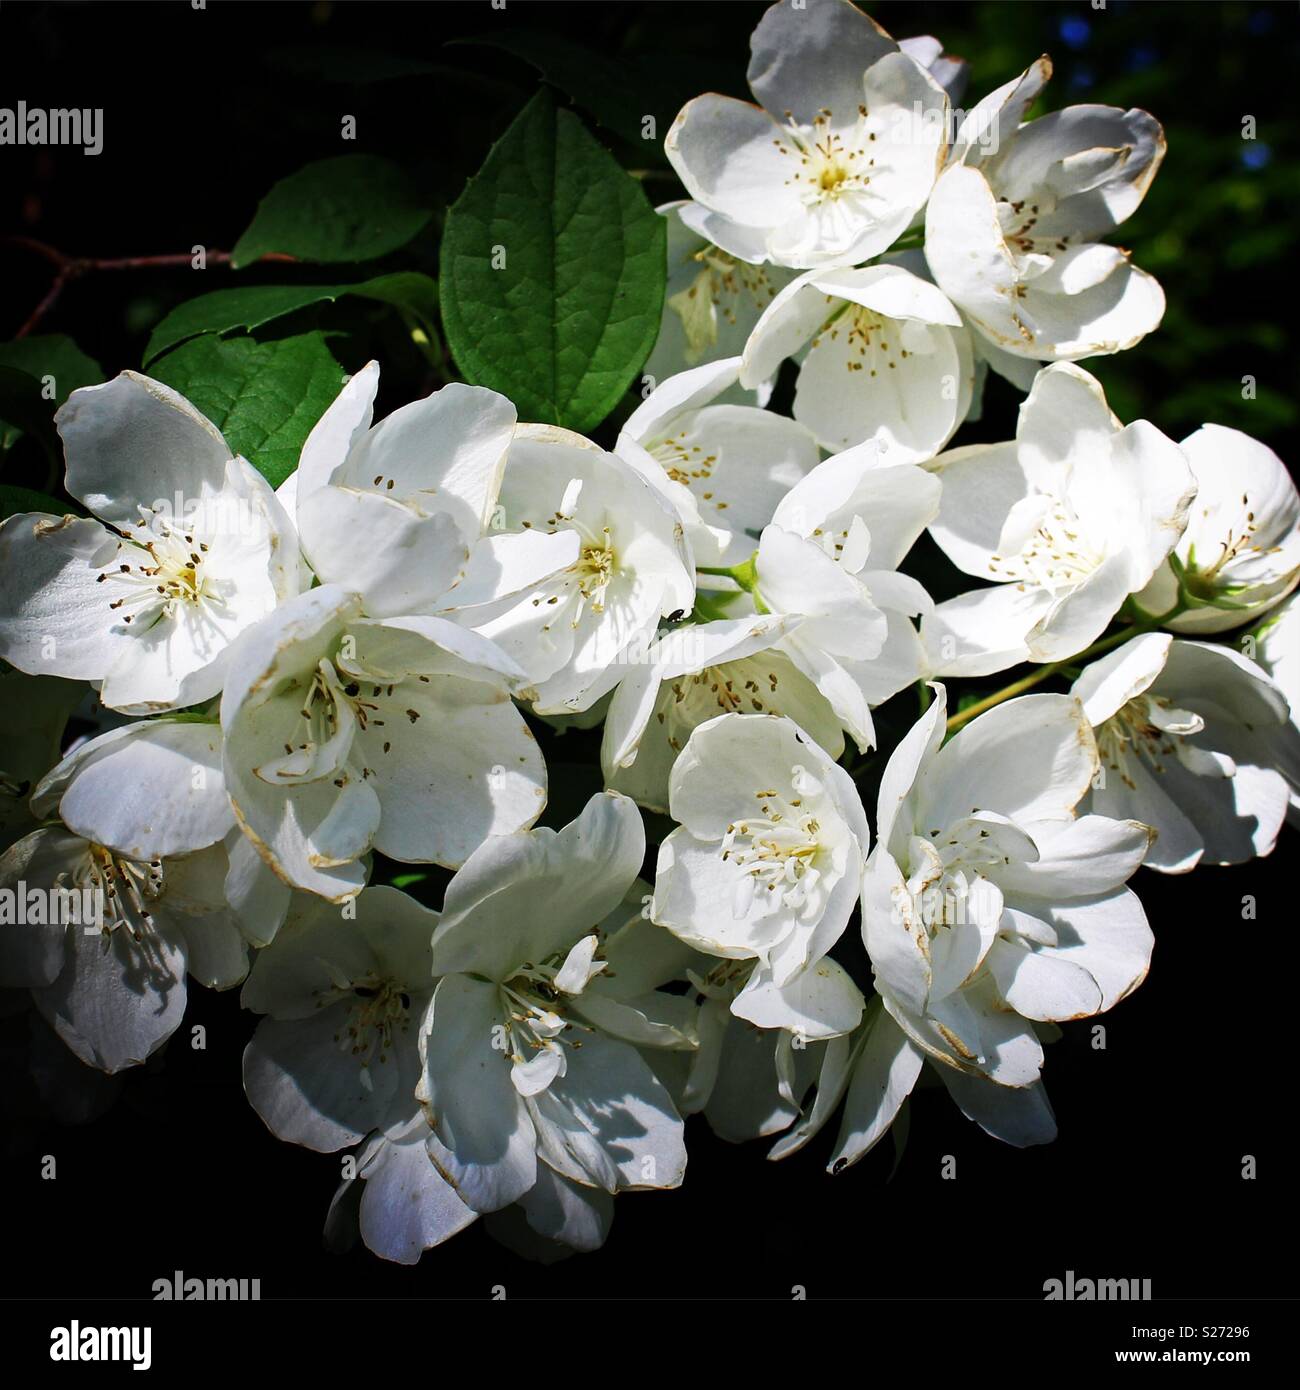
(203, 112)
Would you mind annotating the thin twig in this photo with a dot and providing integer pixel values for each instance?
(69, 268)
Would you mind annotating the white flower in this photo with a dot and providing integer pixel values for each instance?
(748, 1082)
(889, 362)
(343, 994)
(830, 558)
(712, 302)
(1067, 521)
(987, 907)
(344, 733)
(1240, 552)
(1277, 649)
(837, 160)
(575, 633)
(114, 989)
(524, 1052)
(190, 549)
(1189, 734)
(765, 865)
(399, 513)
(723, 467)
(1012, 226)
(696, 673)
(335, 1060)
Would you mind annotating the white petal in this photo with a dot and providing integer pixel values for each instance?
(1018, 1115)
(407, 1206)
(559, 1209)
(116, 1000)
(819, 1002)
(727, 153)
(883, 1077)
(468, 1097)
(1110, 682)
(612, 1101)
(54, 615)
(524, 897)
(132, 429)
(1041, 985)
(809, 58)
(1029, 759)
(143, 790)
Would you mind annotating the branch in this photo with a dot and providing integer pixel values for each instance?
(70, 268)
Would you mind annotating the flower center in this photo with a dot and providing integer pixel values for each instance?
(750, 685)
(866, 336)
(948, 882)
(377, 1017)
(592, 572)
(337, 702)
(831, 163)
(781, 851)
(535, 1025)
(125, 888)
(1236, 547)
(166, 573)
(1148, 729)
(1055, 555)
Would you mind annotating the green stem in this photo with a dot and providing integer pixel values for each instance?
(745, 575)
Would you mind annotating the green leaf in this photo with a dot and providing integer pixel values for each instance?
(265, 397)
(52, 355)
(26, 499)
(353, 208)
(564, 324)
(250, 306)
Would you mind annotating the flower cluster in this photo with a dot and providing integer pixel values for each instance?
(297, 687)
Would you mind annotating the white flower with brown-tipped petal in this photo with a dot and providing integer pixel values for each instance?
(765, 866)
(114, 988)
(1240, 553)
(837, 159)
(1190, 735)
(402, 513)
(987, 907)
(344, 733)
(724, 468)
(1013, 226)
(191, 547)
(528, 1059)
(889, 361)
(1065, 521)
(712, 302)
(578, 631)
